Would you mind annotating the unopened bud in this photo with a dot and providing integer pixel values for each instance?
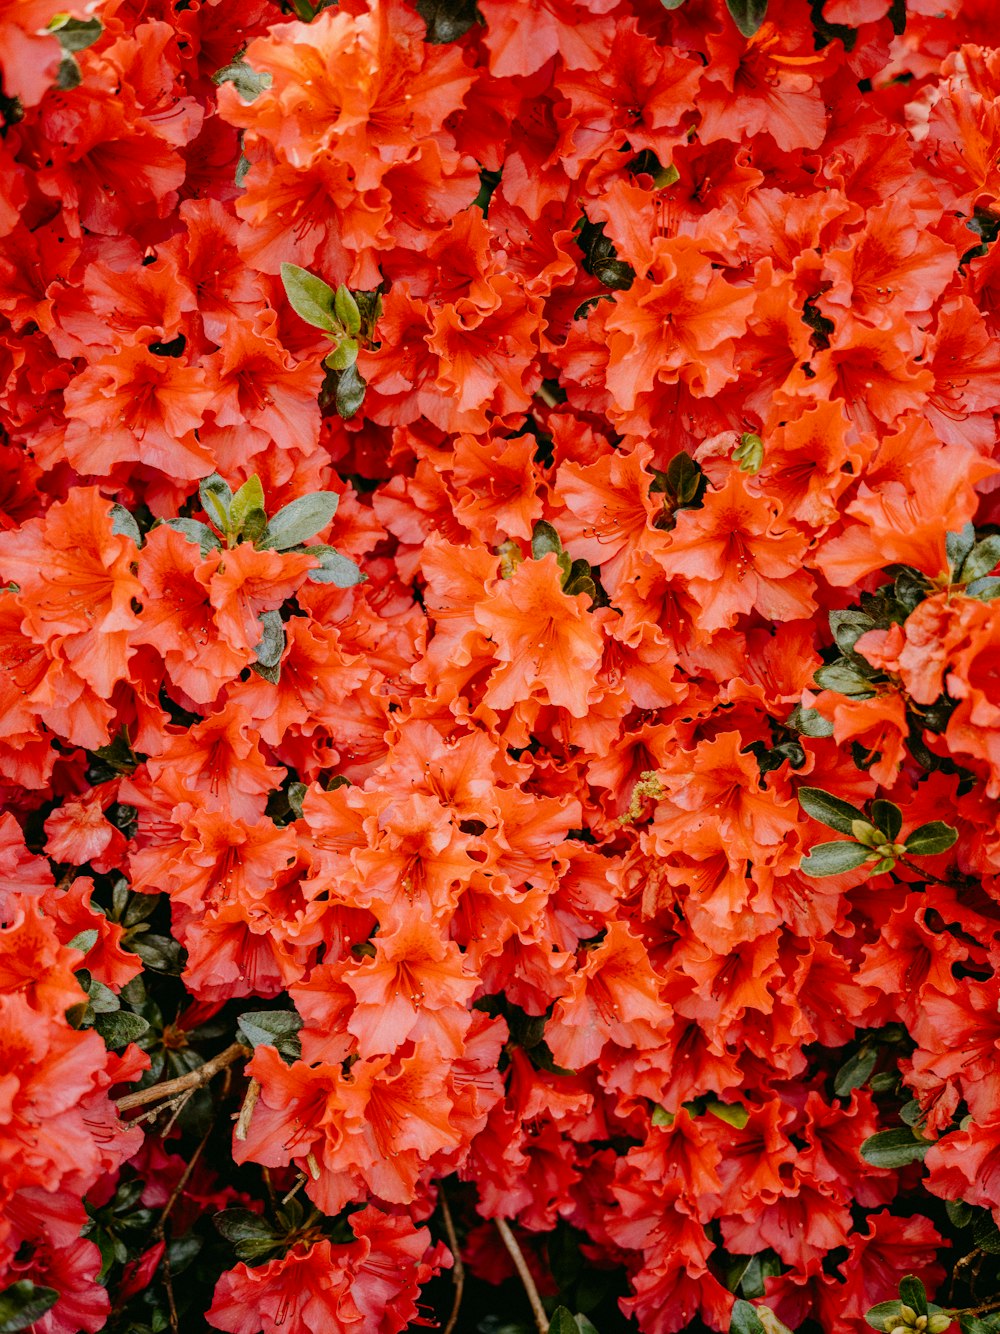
(920, 1323)
(898, 1329)
(907, 1315)
(937, 1324)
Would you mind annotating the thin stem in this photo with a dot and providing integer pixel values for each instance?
(524, 1274)
(992, 1305)
(182, 1181)
(925, 875)
(458, 1268)
(192, 1080)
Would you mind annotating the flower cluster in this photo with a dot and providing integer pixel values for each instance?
(485, 491)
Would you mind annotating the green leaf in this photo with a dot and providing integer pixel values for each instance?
(894, 1148)
(160, 953)
(986, 1234)
(958, 546)
(75, 34)
(350, 392)
(310, 297)
(247, 82)
(545, 540)
(120, 1028)
(249, 497)
(984, 590)
(193, 531)
(744, 1319)
(912, 1293)
(343, 356)
(23, 1303)
(273, 1028)
(447, 20)
(272, 643)
(809, 722)
(216, 498)
(855, 1070)
(252, 1236)
(959, 1213)
(833, 859)
(124, 525)
(253, 525)
(733, 1113)
(661, 1117)
(346, 310)
(334, 568)
(887, 816)
(984, 557)
(563, 1322)
(671, 4)
(748, 15)
(828, 809)
(931, 839)
(878, 1316)
(84, 940)
(973, 1324)
(300, 519)
(847, 628)
(845, 678)
(684, 478)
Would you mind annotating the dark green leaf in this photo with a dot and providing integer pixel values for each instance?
(562, 1322)
(984, 557)
(253, 525)
(76, 34)
(124, 524)
(160, 953)
(447, 20)
(809, 722)
(973, 1324)
(310, 297)
(272, 641)
(120, 1028)
(986, 1234)
(252, 1236)
(23, 1303)
(894, 1148)
(912, 1293)
(931, 839)
(68, 74)
(846, 678)
(273, 1028)
(855, 1070)
(197, 532)
(744, 1319)
(247, 82)
(958, 546)
(748, 15)
(334, 568)
(847, 628)
(350, 392)
(833, 859)
(887, 816)
(959, 1213)
(300, 519)
(101, 998)
(878, 1316)
(684, 478)
(828, 809)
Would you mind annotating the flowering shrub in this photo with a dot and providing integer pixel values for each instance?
(500, 747)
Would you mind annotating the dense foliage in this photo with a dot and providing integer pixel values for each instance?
(500, 731)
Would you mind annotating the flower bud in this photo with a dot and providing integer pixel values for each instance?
(937, 1324)
(920, 1323)
(897, 1329)
(907, 1315)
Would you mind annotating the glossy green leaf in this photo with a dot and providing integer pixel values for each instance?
(75, 34)
(249, 497)
(346, 310)
(878, 1316)
(350, 392)
(194, 531)
(931, 839)
(958, 546)
(809, 722)
(855, 1071)
(23, 1303)
(845, 678)
(833, 859)
(748, 15)
(887, 816)
(828, 809)
(982, 560)
(273, 1028)
(744, 1319)
(563, 1322)
(272, 643)
(894, 1148)
(913, 1293)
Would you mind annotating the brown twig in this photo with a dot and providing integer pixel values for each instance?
(192, 1080)
(458, 1268)
(524, 1274)
(246, 1111)
(992, 1305)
